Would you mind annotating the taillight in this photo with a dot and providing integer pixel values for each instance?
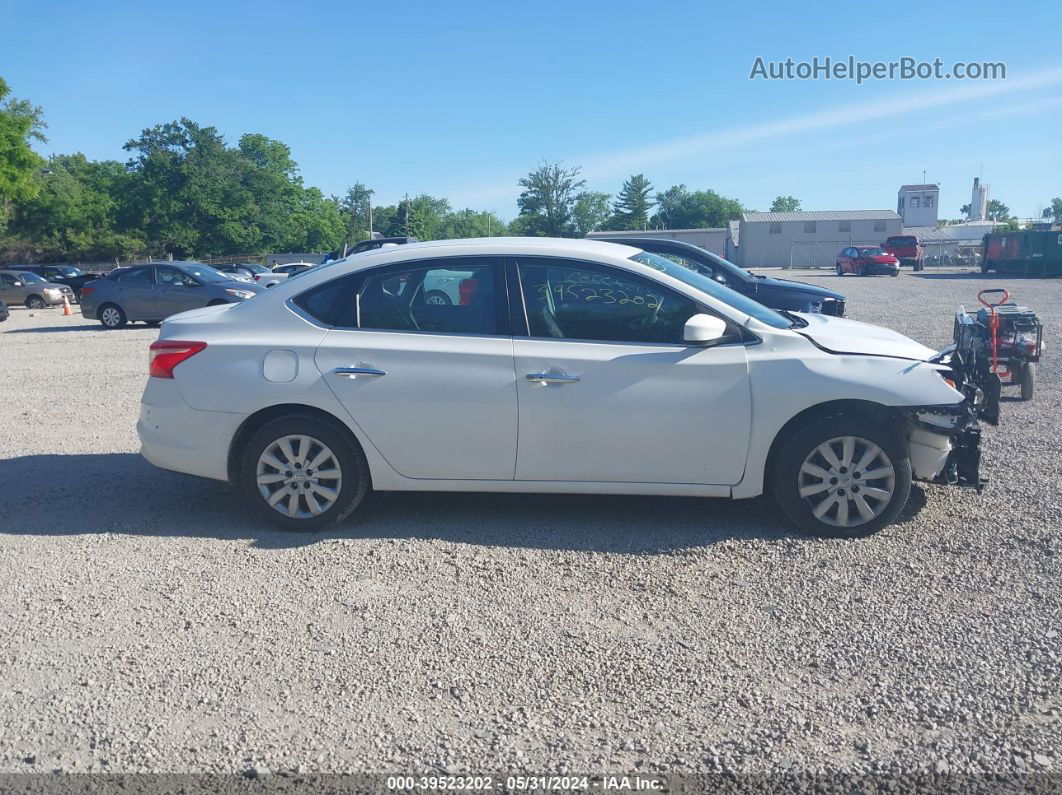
(466, 289)
(87, 290)
(164, 355)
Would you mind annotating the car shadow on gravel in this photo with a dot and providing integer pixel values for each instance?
(123, 494)
(53, 329)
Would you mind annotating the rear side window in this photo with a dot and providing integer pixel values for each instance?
(138, 277)
(326, 302)
(447, 296)
(453, 296)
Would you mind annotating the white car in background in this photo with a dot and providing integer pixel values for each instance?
(563, 366)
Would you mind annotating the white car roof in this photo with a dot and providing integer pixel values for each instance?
(556, 246)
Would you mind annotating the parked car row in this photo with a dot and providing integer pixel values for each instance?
(27, 289)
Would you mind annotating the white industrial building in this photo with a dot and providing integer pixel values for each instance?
(713, 239)
(978, 202)
(809, 239)
(918, 204)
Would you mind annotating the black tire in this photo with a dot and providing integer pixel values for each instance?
(840, 271)
(109, 319)
(1028, 381)
(353, 467)
(785, 477)
(437, 297)
(920, 265)
(895, 273)
(35, 302)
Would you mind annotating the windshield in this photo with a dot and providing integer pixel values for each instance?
(713, 288)
(31, 278)
(254, 267)
(70, 272)
(206, 274)
(870, 252)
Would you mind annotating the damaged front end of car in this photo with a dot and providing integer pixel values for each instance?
(944, 441)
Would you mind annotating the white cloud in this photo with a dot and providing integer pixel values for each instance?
(620, 163)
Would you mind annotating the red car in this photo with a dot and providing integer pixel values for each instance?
(866, 261)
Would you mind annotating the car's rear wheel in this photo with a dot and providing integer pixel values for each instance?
(112, 316)
(303, 473)
(895, 273)
(35, 302)
(437, 298)
(842, 477)
(840, 271)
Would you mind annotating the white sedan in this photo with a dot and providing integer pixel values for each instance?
(572, 366)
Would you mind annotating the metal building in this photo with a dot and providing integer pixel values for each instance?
(809, 239)
(712, 239)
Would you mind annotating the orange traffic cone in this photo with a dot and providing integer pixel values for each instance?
(67, 311)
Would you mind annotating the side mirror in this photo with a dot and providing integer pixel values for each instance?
(17, 284)
(703, 330)
(720, 278)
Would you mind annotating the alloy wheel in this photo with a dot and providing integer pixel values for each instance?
(111, 317)
(299, 476)
(847, 481)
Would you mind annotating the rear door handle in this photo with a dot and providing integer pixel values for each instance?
(552, 378)
(354, 372)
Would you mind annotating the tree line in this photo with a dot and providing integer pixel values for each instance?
(185, 191)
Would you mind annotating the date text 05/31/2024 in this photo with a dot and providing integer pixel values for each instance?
(525, 783)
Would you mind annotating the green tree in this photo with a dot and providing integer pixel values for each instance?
(78, 211)
(785, 204)
(679, 208)
(1053, 212)
(632, 205)
(995, 211)
(548, 200)
(420, 217)
(471, 223)
(590, 212)
(20, 124)
(356, 207)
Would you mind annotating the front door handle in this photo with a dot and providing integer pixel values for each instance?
(552, 378)
(354, 372)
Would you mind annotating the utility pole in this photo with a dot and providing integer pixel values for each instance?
(368, 201)
(407, 215)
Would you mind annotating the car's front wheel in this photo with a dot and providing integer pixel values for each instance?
(303, 473)
(35, 302)
(843, 477)
(840, 271)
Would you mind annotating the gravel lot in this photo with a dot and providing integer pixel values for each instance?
(149, 623)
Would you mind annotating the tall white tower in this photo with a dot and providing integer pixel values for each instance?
(978, 202)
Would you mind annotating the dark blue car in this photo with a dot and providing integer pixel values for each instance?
(775, 293)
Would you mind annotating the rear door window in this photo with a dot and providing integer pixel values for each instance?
(137, 277)
(454, 296)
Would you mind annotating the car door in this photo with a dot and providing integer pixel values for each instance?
(8, 292)
(136, 293)
(430, 385)
(176, 291)
(608, 391)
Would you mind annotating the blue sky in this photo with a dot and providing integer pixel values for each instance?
(461, 99)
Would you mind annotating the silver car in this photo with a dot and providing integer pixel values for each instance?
(153, 292)
(29, 289)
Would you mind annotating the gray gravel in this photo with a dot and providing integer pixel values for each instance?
(149, 623)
